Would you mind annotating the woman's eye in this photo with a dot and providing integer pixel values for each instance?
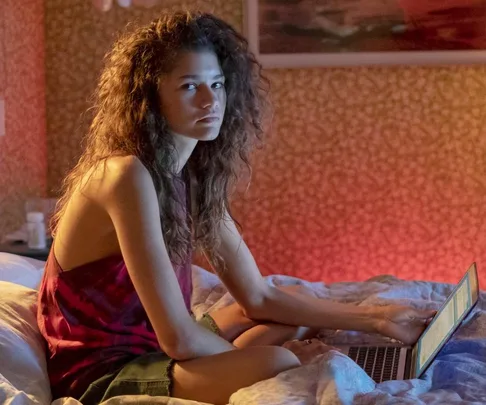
(189, 86)
(218, 85)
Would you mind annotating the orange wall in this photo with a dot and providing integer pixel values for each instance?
(370, 171)
(23, 155)
(366, 170)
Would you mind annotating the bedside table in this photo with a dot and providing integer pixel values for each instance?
(22, 249)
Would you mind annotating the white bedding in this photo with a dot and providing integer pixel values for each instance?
(458, 376)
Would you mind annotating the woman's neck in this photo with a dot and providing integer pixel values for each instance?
(184, 147)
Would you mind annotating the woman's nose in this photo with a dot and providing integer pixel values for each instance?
(208, 99)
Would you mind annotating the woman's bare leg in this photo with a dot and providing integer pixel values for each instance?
(231, 321)
(273, 334)
(213, 379)
(243, 332)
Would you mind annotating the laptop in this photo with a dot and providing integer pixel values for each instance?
(392, 361)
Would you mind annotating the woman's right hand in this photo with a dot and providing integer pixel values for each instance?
(405, 324)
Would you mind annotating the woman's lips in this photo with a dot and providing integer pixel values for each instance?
(208, 120)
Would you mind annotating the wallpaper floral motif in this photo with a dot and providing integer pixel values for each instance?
(365, 170)
(23, 157)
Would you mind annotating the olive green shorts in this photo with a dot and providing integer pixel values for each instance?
(149, 374)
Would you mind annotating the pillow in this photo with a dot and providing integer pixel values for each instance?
(23, 373)
(21, 270)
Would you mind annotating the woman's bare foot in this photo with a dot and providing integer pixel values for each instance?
(307, 350)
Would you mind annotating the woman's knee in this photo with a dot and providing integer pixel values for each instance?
(279, 359)
(213, 379)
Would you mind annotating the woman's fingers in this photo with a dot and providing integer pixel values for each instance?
(422, 317)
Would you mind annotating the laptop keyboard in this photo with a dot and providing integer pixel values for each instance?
(380, 363)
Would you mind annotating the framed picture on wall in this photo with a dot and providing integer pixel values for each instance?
(308, 33)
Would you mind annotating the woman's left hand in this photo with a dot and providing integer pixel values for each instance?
(403, 323)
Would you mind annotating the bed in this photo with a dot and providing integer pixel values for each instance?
(458, 376)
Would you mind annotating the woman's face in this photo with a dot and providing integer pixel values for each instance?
(193, 97)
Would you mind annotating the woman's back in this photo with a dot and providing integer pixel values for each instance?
(85, 233)
(91, 315)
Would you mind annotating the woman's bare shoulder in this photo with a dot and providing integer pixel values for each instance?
(125, 165)
(116, 174)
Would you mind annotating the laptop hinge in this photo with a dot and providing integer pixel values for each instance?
(408, 365)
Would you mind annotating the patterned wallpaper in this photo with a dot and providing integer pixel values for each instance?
(373, 171)
(23, 156)
(365, 170)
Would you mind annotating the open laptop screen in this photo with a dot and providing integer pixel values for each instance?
(448, 318)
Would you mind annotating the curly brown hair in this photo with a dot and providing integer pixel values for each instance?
(127, 121)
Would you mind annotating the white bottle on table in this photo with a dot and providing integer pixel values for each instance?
(36, 230)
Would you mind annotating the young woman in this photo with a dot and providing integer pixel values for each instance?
(178, 108)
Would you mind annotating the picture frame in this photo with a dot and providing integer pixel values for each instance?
(265, 32)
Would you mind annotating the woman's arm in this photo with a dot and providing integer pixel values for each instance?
(264, 303)
(128, 195)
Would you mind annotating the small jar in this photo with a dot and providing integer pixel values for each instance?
(36, 230)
